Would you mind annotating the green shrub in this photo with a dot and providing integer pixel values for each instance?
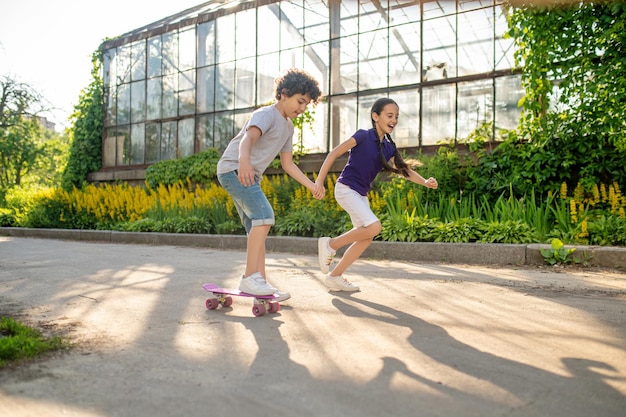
(199, 168)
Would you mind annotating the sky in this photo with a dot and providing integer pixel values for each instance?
(47, 44)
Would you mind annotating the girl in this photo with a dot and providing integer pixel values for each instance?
(371, 151)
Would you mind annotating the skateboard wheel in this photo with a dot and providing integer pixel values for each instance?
(274, 308)
(212, 303)
(228, 301)
(258, 310)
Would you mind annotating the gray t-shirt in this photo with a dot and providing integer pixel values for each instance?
(276, 137)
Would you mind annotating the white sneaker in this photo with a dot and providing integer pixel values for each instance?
(325, 254)
(282, 296)
(255, 285)
(339, 284)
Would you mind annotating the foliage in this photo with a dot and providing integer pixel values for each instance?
(20, 148)
(18, 341)
(559, 254)
(86, 132)
(572, 122)
(200, 168)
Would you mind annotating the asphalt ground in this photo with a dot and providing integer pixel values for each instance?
(419, 339)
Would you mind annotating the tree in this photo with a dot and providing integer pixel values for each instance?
(20, 149)
(17, 100)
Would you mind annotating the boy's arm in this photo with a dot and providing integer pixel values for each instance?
(245, 173)
(286, 161)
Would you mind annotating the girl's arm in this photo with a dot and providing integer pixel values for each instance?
(418, 179)
(331, 158)
(286, 161)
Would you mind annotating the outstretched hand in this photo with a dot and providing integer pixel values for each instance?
(431, 183)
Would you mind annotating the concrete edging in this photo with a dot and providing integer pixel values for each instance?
(456, 253)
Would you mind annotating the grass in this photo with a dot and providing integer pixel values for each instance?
(19, 342)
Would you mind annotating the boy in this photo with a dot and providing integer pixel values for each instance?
(268, 132)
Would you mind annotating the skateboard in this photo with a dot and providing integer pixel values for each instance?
(224, 296)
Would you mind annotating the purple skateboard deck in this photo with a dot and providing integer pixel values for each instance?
(223, 296)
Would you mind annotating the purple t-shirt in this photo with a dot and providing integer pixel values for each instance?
(364, 161)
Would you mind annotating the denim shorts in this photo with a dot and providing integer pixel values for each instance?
(252, 205)
(356, 205)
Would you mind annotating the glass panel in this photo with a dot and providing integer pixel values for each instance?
(404, 11)
(314, 137)
(473, 4)
(204, 132)
(154, 99)
(504, 48)
(316, 63)
(206, 43)
(438, 114)
(509, 92)
(292, 58)
(245, 39)
(121, 143)
(439, 49)
(138, 101)
(206, 88)
(109, 67)
(154, 57)
(475, 106)
(291, 19)
(111, 109)
(153, 142)
(245, 83)
(223, 130)
(138, 56)
(110, 147)
(187, 49)
(123, 65)
(268, 71)
(438, 8)
(185, 137)
(343, 120)
(225, 38)
(404, 55)
(170, 100)
(225, 86)
(475, 48)
(316, 20)
(123, 104)
(268, 32)
(347, 65)
(365, 111)
(186, 92)
(349, 18)
(373, 15)
(406, 133)
(373, 62)
(137, 143)
(170, 53)
(168, 141)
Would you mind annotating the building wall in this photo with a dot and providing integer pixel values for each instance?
(186, 84)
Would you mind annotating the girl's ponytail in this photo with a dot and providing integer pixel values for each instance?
(401, 166)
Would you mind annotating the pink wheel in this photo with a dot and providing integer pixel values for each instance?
(228, 301)
(258, 310)
(274, 308)
(212, 303)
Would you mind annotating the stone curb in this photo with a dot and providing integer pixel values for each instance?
(455, 253)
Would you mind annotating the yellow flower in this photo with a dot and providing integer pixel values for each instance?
(563, 191)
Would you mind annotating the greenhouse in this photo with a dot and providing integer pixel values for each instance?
(189, 81)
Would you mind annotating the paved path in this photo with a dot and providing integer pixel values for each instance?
(418, 340)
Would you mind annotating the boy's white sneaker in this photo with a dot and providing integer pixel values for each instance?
(255, 284)
(282, 296)
(325, 254)
(339, 283)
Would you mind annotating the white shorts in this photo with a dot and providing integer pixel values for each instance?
(356, 205)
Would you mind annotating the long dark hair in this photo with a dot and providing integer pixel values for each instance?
(401, 167)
